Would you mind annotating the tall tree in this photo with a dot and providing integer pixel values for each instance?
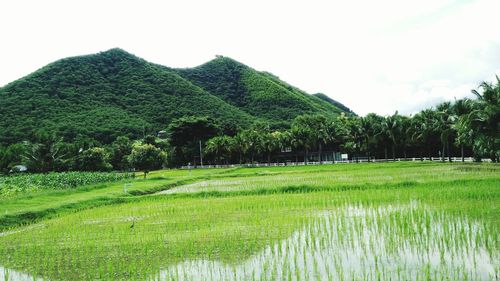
(94, 159)
(11, 156)
(423, 130)
(484, 120)
(185, 135)
(303, 134)
(45, 154)
(147, 157)
(120, 149)
(461, 109)
(251, 142)
(391, 128)
(371, 129)
(221, 147)
(444, 124)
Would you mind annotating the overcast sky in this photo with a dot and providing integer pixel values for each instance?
(373, 56)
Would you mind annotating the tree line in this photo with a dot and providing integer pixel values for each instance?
(466, 127)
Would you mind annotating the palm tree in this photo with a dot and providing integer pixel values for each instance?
(238, 145)
(424, 129)
(461, 109)
(484, 120)
(275, 141)
(267, 144)
(370, 130)
(220, 147)
(444, 124)
(391, 128)
(404, 133)
(324, 132)
(251, 141)
(310, 130)
(44, 155)
(302, 135)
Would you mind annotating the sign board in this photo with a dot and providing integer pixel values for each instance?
(345, 156)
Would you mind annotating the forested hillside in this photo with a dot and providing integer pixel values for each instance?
(115, 93)
(260, 94)
(334, 102)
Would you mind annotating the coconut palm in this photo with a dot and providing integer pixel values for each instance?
(423, 129)
(444, 124)
(484, 120)
(312, 130)
(370, 129)
(238, 145)
(461, 109)
(45, 154)
(302, 135)
(391, 129)
(220, 147)
(251, 141)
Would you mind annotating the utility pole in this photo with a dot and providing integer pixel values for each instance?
(201, 156)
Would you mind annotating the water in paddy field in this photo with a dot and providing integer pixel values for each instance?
(12, 275)
(365, 243)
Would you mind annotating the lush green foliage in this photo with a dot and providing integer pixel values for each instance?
(466, 127)
(11, 185)
(120, 150)
(114, 93)
(213, 226)
(94, 159)
(186, 134)
(115, 97)
(259, 94)
(110, 94)
(334, 103)
(147, 157)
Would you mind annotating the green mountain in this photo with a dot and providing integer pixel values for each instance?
(104, 95)
(334, 103)
(259, 94)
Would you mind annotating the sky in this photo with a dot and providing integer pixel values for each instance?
(373, 56)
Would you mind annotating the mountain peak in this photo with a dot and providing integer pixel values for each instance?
(119, 53)
(114, 92)
(219, 59)
(116, 51)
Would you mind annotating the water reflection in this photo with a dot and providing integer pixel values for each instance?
(12, 275)
(358, 243)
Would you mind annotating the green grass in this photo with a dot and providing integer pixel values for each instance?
(16, 184)
(24, 208)
(397, 221)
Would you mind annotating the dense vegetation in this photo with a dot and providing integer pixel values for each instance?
(466, 127)
(387, 221)
(15, 184)
(114, 111)
(114, 93)
(334, 103)
(259, 94)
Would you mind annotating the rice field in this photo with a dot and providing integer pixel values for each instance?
(395, 221)
(29, 183)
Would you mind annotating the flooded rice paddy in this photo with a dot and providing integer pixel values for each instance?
(364, 243)
(371, 222)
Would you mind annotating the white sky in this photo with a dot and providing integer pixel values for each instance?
(373, 56)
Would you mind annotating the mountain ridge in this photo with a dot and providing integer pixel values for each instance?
(112, 93)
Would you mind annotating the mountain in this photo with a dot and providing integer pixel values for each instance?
(334, 103)
(259, 94)
(112, 93)
(102, 96)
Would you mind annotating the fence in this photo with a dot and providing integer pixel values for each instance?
(359, 160)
